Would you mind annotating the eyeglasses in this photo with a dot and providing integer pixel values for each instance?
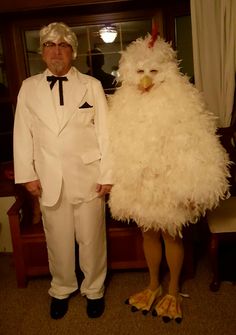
(61, 45)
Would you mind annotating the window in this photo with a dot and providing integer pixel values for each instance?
(90, 46)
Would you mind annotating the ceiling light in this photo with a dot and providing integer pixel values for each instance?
(108, 34)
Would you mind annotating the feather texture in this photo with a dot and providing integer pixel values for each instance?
(169, 166)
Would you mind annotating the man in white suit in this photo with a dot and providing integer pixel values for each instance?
(61, 156)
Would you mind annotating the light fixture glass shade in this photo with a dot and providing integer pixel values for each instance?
(108, 34)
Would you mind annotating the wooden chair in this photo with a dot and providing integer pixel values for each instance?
(28, 240)
(222, 220)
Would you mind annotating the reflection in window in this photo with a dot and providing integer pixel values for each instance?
(183, 38)
(89, 42)
(3, 78)
(95, 62)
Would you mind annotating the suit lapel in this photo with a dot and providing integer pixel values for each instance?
(47, 108)
(77, 89)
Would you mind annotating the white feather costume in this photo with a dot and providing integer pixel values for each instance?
(169, 166)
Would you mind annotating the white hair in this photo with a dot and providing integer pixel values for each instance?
(56, 31)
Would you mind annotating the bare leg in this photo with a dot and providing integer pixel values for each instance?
(169, 307)
(153, 253)
(174, 256)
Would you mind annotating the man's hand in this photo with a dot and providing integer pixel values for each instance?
(103, 189)
(34, 188)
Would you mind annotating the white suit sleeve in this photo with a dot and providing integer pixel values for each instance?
(23, 142)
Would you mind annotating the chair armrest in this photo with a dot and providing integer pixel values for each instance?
(16, 207)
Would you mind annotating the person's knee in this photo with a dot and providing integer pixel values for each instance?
(151, 235)
(171, 239)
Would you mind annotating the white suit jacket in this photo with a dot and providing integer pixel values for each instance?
(76, 151)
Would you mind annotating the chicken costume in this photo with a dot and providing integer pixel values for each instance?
(169, 166)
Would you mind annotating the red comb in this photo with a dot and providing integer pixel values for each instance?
(154, 34)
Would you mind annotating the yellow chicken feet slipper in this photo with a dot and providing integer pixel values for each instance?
(144, 300)
(169, 307)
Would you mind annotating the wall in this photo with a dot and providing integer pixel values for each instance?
(5, 235)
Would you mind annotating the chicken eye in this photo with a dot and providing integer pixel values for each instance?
(153, 71)
(140, 71)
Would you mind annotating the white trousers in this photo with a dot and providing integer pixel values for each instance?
(64, 224)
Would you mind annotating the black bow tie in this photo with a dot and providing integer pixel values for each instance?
(53, 80)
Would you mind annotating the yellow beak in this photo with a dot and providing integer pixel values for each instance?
(145, 83)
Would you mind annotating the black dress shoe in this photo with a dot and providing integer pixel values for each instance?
(95, 307)
(58, 308)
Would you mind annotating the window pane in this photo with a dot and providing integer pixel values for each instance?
(133, 30)
(83, 46)
(36, 65)
(184, 44)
